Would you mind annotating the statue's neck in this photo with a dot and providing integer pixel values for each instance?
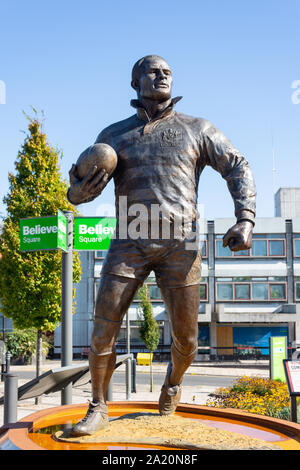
(154, 108)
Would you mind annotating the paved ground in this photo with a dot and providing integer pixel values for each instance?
(197, 394)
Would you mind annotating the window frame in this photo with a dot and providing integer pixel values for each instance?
(294, 249)
(250, 283)
(250, 255)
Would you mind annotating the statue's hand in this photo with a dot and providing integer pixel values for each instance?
(89, 187)
(239, 237)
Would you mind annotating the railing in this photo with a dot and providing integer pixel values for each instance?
(219, 352)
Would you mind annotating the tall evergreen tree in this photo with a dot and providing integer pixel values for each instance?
(148, 327)
(30, 282)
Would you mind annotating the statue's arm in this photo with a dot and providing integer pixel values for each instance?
(92, 185)
(221, 155)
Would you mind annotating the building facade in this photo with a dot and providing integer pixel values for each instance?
(287, 203)
(246, 296)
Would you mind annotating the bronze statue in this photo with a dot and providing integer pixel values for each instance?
(161, 155)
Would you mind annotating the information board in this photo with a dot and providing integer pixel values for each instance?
(292, 372)
(278, 352)
(93, 233)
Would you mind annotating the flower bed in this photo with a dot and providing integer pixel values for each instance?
(255, 395)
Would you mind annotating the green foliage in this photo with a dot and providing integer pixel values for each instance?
(149, 331)
(30, 282)
(22, 343)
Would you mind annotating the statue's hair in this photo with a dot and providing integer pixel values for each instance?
(138, 66)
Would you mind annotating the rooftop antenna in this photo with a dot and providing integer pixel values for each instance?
(273, 169)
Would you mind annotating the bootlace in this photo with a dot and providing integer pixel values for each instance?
(90, 411)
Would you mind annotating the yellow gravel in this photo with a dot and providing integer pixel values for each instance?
(171, 431)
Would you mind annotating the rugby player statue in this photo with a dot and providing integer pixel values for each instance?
(157, 157)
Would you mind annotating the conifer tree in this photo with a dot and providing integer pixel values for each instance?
(30, 282)
(148, 327)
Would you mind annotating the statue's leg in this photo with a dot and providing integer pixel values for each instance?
(182, 305)
(113, 300)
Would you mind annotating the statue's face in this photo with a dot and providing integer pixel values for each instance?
(155, 81)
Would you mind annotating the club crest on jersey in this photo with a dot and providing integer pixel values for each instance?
(170, 137)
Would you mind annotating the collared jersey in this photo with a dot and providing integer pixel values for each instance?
(160, 162)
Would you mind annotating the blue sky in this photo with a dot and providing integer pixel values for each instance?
(233, 62)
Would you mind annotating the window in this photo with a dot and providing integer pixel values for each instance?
(154, 292)
(225, 291)
(203, 292)
(296, 247)
(204, 249)
(221, 251)
(269, 246)
(259, 248)
(260, 291)
(135, 338)
(242, 291)
(252, 288)
(241, 253)
(276, 247)
(297, 288)
(100, 254)
(277, 291)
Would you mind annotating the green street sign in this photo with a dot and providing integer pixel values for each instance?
(44, 233)
(93, 233)
(278, 352)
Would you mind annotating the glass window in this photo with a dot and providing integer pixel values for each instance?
(203, 292)
(154, 293)
(297, 290)
(203, 249)
(221, 251)
(260, 291)
(242, 291)
(297, 247)
(259, 248)
(241, 253)
(225, 291)
(276, 248)
(277, 291)
(100, 254)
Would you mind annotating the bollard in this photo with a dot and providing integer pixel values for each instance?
(133, 375)
(109, 392)
(128, 379)
(10, 398)
(2, 372)
(7, 359)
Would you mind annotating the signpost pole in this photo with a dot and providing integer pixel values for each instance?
(128, 362)
(66, 310)
(294, 408)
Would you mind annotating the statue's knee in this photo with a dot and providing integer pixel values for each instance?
(186, 345)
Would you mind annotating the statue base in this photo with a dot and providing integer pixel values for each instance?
(138, 425)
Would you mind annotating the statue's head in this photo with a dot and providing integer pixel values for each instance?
(152, 78)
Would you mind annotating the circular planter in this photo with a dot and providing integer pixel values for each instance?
(36, 431)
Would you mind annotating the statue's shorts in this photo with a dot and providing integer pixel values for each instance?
(176, 263)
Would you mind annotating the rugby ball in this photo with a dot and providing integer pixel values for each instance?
(101, 155)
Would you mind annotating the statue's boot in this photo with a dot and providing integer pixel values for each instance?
(95, 419)
(169, 396)
(101, 369)
(171, 390)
